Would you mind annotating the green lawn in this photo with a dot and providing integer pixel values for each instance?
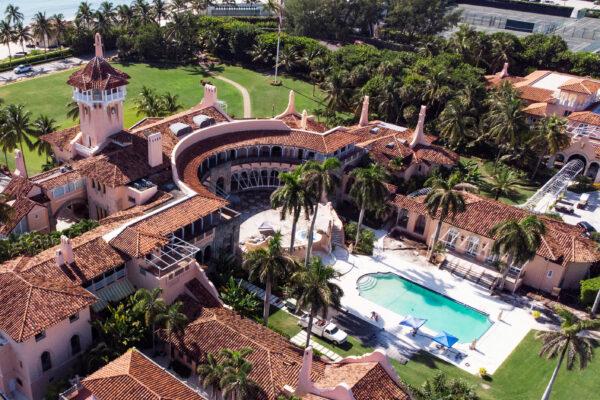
(523, 376)
(49, 94)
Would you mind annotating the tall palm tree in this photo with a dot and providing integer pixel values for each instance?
(444, 199)
(152, 306)
(316, 291)
(178, 5)
(269, 265)
(125, 15)
(368, 191)
(85, 14)
(42, 28)
(235, 383)
(550, 137)
(210, 373)
(568, 341)
(172, 320)
(13, 14)
(293, 197)
(518, 241)
(107, 9)
(321, 179)
(22, 34)
(59, 25)
(42, 126)
(8, 141)
(18, 123)
(148, 103)
(169, 103)
(504, 181)
(101, 23)
(7, 36)
(159, 10)
(455, 123)
(337, 91)
(143, 11)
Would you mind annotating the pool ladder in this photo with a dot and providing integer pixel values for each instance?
(366, 282)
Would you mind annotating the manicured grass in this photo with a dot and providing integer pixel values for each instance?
(49, 94)
(522, 376)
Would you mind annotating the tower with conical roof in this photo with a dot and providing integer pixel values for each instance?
(99, 89)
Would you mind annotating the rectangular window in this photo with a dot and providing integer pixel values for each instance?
(131, 199)
(142, 271)
(549, 274)
(40, 336)
(74, 317)
(58, 192)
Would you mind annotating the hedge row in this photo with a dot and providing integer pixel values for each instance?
(589, 290)
(36, 59)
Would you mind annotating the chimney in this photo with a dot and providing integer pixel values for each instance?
(210, 96)
(155, 155)
(304, 121)
(58, 257)
(364, 113)
(304, 382)
(419, 134)
(504, 72)
(291, 107)
(66, 249)
(20, 169)
(98, 45)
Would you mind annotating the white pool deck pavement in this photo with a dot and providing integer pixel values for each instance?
(492, 348)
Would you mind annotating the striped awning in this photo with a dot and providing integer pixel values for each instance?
(114, 292)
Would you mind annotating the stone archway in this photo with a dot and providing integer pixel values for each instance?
(70, 212)
(579, 157)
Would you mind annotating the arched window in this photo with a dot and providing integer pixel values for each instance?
(276, 151)
(75, 345)
(420, 225)
(265, 151)
(46, 361)
(207, 254)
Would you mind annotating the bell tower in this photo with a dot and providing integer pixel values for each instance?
(99, 89)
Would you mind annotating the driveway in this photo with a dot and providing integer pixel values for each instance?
(589, 214)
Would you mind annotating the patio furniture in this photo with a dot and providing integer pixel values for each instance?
(445, 339)
(413, 322)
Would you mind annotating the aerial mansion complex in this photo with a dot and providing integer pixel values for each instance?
(162, 193)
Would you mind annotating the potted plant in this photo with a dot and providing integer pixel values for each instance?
(483, 372)
(536, 314)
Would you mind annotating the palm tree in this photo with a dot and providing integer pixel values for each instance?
(322, 179)
(6, 211)
(368, 191)
(8, 141)
(455, 123)
(440, 387)
(73, 110)
(210, 372)
(7, 36)
(172, 319)
(42, 28)
(260, 53)
(445, 199)
(13, 15)
(550, 137)
(18, 123)
(517, 240)
(316, 291)
(178, 5)
(143, 11)
(269, 265)
(504, 182)
(107, 9)
(169, 103)
(85, 14)
(235, 383)
(289, 58)
(125, 15)
(337, 91)
(159, 9)
(60, 27)
(42, 126)
(293, 197)
(569, 341)
(22, 34)
(152, 306)
(148, 103)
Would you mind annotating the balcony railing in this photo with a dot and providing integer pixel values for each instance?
(104, 96)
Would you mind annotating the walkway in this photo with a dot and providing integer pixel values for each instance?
(245, 95)
(300, 340)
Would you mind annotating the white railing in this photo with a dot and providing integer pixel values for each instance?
(102, 97)
(83, 150)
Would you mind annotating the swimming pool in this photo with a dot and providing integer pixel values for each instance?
(405, 297)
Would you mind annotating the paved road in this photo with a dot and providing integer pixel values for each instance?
(245, 95)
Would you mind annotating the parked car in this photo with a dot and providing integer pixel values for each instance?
(23, 69)
(587, 227)
(583, 200)
(20, 54)
(324, 329)
(564, 209)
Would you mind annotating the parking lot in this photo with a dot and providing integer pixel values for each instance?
(590, 213)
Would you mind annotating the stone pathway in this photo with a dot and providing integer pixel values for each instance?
(245, 95)
(300, 340)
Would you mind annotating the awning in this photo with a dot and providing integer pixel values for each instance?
(112, 293)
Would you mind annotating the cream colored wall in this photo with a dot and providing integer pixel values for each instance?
(115, 199)
(97, 123)
(38, 219)
(8, 366)
(574, 273)
(536, 274)
(56, 203)
(141, 197)
(27, 354)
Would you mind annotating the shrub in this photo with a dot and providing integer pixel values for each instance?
(35, 58)
(366, 241)
(589, 290)
(582, 184)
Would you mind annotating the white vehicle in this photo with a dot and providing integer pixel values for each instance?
(23, 69)
(325, 329)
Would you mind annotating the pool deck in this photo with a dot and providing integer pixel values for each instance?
(492, 348)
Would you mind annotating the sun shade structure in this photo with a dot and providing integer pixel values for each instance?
(266, 228)
(446, 339)
(413, 322)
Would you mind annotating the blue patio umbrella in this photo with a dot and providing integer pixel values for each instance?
(446, 339)
(413, 322)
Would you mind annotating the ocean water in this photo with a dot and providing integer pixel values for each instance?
(66, 7)
(406, 298)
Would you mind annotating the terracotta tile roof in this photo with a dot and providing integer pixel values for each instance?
(537, 109)
(294, 122)
(533, 77)
(31, 304)
(495, 80)
(581, 85)
(534, 94)
(150, 233)
(21, 207)
(275, 361)
(585, 117)
(145, 122)
(54, 178)
(203, 297)
(367, 380)
(133, 376)
(98, 74)
(562, 242)
(62, 138)
(18, 187)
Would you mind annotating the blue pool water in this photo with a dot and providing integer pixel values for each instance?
(407, 298)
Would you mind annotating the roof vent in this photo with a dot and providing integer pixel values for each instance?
(179, 129)
(390, 145)
(203, 121)
(374, 131)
